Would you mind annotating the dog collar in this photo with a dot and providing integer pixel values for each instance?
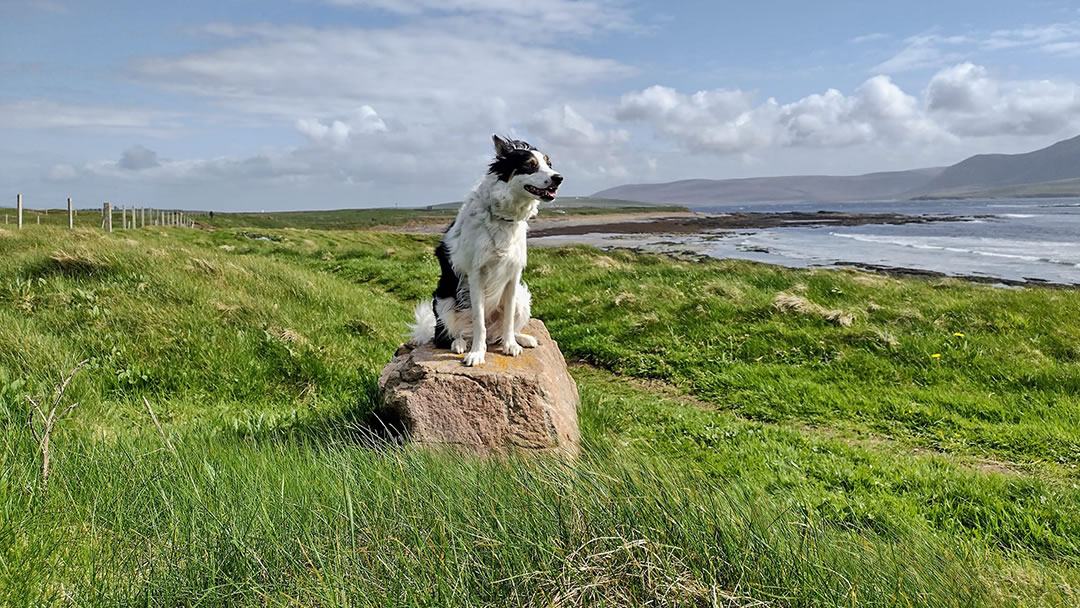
(493, 216)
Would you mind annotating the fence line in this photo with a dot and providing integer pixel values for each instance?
(139, 217)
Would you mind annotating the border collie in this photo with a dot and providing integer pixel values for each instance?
(480, 296)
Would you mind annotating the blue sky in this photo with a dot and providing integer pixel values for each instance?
(294, 104)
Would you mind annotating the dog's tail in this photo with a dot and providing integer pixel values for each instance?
(423, 330)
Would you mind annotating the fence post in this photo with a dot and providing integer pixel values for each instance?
(106, 211)
(18, 212)
(71, 215)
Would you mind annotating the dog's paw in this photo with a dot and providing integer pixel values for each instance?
(459, 346)
(473, 359)
(526, 341)
(511, 348)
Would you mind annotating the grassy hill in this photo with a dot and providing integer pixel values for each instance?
(1060, 161)
(754, 435)
(871, 186)
(1054, 189)
(1050, 171)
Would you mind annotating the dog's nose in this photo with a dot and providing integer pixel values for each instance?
(556, 179)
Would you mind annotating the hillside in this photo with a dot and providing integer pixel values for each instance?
(1060, 161)
(872, 186)
(1065, 188)
(753, 435)
(1044, 172)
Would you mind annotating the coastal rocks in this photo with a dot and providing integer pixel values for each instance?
(528, 402)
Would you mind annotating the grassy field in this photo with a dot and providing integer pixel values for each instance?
(335, 219)
(754, 435)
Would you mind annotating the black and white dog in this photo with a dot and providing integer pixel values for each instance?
(480, 296)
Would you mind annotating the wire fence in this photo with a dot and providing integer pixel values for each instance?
(109, 218)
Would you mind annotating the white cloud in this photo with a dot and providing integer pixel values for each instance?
(42, 114)
(1031, 36)
(719, 120)
(871, 37)
(924, 51)
(959, 101)
(417, 73)
(932, 50)
(578, 17)
(337, 133)
(968, 101)
(566, 127)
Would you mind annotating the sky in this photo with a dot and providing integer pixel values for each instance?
(320, 104)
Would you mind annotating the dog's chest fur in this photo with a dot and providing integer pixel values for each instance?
(488, 237)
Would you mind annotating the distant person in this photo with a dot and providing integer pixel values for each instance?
(211, 215)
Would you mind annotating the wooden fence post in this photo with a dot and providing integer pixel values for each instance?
(18, 212)
(107, 219)
(71, 215)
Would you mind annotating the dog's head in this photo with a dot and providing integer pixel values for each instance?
(524, 168)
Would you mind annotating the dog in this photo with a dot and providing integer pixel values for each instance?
(480, 298)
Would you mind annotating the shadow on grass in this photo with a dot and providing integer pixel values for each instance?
(62, 263)
(359, 421)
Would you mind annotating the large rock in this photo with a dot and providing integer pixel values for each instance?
(526, 402)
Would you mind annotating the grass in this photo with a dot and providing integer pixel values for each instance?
(335, 219)
(753, 435)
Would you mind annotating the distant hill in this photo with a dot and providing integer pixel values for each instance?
(1051, 171)
(888, 185)
(1063, 188)
(1060, 161)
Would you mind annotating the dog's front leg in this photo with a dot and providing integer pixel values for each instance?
(509, 308)
(475, 356)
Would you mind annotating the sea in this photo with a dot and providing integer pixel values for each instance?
(1025, 240)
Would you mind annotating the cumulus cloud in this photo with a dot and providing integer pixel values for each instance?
(337, 133)
(967, 100)
(137, 158)
(962, 100)
(719, 120)
(564, 126)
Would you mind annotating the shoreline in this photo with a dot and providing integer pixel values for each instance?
(698, 223)
(881, 269)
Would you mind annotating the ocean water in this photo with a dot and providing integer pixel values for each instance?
(1018, 240)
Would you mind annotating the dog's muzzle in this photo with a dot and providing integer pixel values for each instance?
(546, 194)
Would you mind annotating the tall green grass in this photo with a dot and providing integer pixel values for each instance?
(769, 466)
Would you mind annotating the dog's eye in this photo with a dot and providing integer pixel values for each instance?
(548, 161)
(531, 163)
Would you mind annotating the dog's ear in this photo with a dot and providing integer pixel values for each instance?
(502, 147)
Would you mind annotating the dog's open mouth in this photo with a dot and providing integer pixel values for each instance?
(541, 193)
